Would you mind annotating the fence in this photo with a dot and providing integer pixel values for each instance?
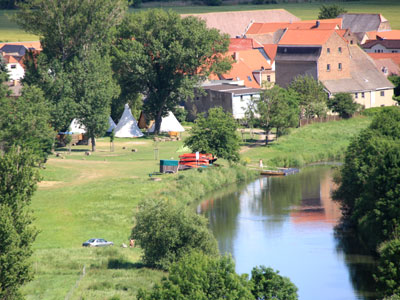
(329, 118)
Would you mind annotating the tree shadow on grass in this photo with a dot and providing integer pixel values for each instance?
(118, 263)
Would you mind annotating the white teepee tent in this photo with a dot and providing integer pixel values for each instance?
(77, 127)
(127, 125)
(112, 124)
(169, 123)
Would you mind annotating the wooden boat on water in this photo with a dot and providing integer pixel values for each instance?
(280, 172)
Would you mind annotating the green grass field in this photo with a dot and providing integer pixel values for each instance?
(81, 197)
(390, 9)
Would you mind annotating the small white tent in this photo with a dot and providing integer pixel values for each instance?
(112, 124)
(127, 125)
(76, 127)
(169, 123)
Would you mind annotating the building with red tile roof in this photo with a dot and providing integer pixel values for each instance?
(239, 44)
(383, 35)
(393, 56)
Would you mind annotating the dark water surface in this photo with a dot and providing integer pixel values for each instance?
(287, 223)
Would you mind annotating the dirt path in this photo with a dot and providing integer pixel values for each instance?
(260, 140)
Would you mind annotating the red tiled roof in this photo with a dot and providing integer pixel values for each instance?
(393, 56)
(270, 49)
(305, 37)
(10, 59)
(242, 69)
(264, 28)
(239, 44)
(387, 35)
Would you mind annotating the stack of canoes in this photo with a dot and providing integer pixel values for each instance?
(193, 160)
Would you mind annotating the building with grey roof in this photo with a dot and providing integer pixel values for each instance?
(368, 85)
(232, 96)
(382, 46)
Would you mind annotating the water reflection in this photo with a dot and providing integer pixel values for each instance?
(288, 223)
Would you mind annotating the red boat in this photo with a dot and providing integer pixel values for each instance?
(191, 160)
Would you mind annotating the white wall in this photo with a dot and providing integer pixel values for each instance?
(380, 49)
(15, 71)
(240, 104)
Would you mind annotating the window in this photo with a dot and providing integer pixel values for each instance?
(269, 78)
(328, 50)
(356, 95)
(328, 67)
(394, 51)
(351, 42)
(382, 105)
(362, 95)
(13, 66)
(340, 49)
(340, 66)
(382, 93)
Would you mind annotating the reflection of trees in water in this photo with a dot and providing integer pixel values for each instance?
(359, 261)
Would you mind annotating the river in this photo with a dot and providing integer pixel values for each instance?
(287, 223)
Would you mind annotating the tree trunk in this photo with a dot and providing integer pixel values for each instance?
(93, 140)
(266, 137)
(157, 124)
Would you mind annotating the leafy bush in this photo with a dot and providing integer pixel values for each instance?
(343, 104)
(268, 284)
(388, 277)
(200, 277)
(167, 231)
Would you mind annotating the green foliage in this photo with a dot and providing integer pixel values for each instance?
(25, 122)
(167, 231)
(369, 190)
(180, 114)
(67, 28)
(3, 70)
(388, 276)
(268, 284)
(197, 276)
(94, 89)
(396, 81)
(343, 104)
(212, 2)
(278, 108)
(330, 11)
(17, 184)
(169, 54)
(215, 134)
(312, 97)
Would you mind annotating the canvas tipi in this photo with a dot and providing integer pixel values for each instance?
(127, 125)
(77, 127)
(112, 124)
(168, 124)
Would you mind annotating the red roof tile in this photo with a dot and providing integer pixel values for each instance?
(305, 37)
(34, 44)
(239, 44)
(270, 49)
(386, 35)
(393, 56)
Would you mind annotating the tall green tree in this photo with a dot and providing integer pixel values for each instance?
(396, 81)
(167, 231)
(312, 97)
(25, 122)
(277, 108)
(164, 56)
(215, 134)
(17, 184)
(69, 30)
(94, 89)
(200, 277)
(66, 28)
(331, 11)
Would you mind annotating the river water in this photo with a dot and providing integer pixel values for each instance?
(287, 223)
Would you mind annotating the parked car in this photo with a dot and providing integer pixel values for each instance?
(97, 243)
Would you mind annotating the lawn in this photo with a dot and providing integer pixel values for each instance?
(81, 197)
(9, 31)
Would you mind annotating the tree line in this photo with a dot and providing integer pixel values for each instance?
(369, 195)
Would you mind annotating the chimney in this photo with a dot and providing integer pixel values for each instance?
(317, 23)
(236, 56)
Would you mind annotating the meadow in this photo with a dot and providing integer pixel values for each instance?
(82, 197)
(9, 31)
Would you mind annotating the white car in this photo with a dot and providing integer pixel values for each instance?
(97, 243)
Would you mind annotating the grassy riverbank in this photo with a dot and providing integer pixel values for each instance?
(312, 143)
(82, 197)
(9, 31)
